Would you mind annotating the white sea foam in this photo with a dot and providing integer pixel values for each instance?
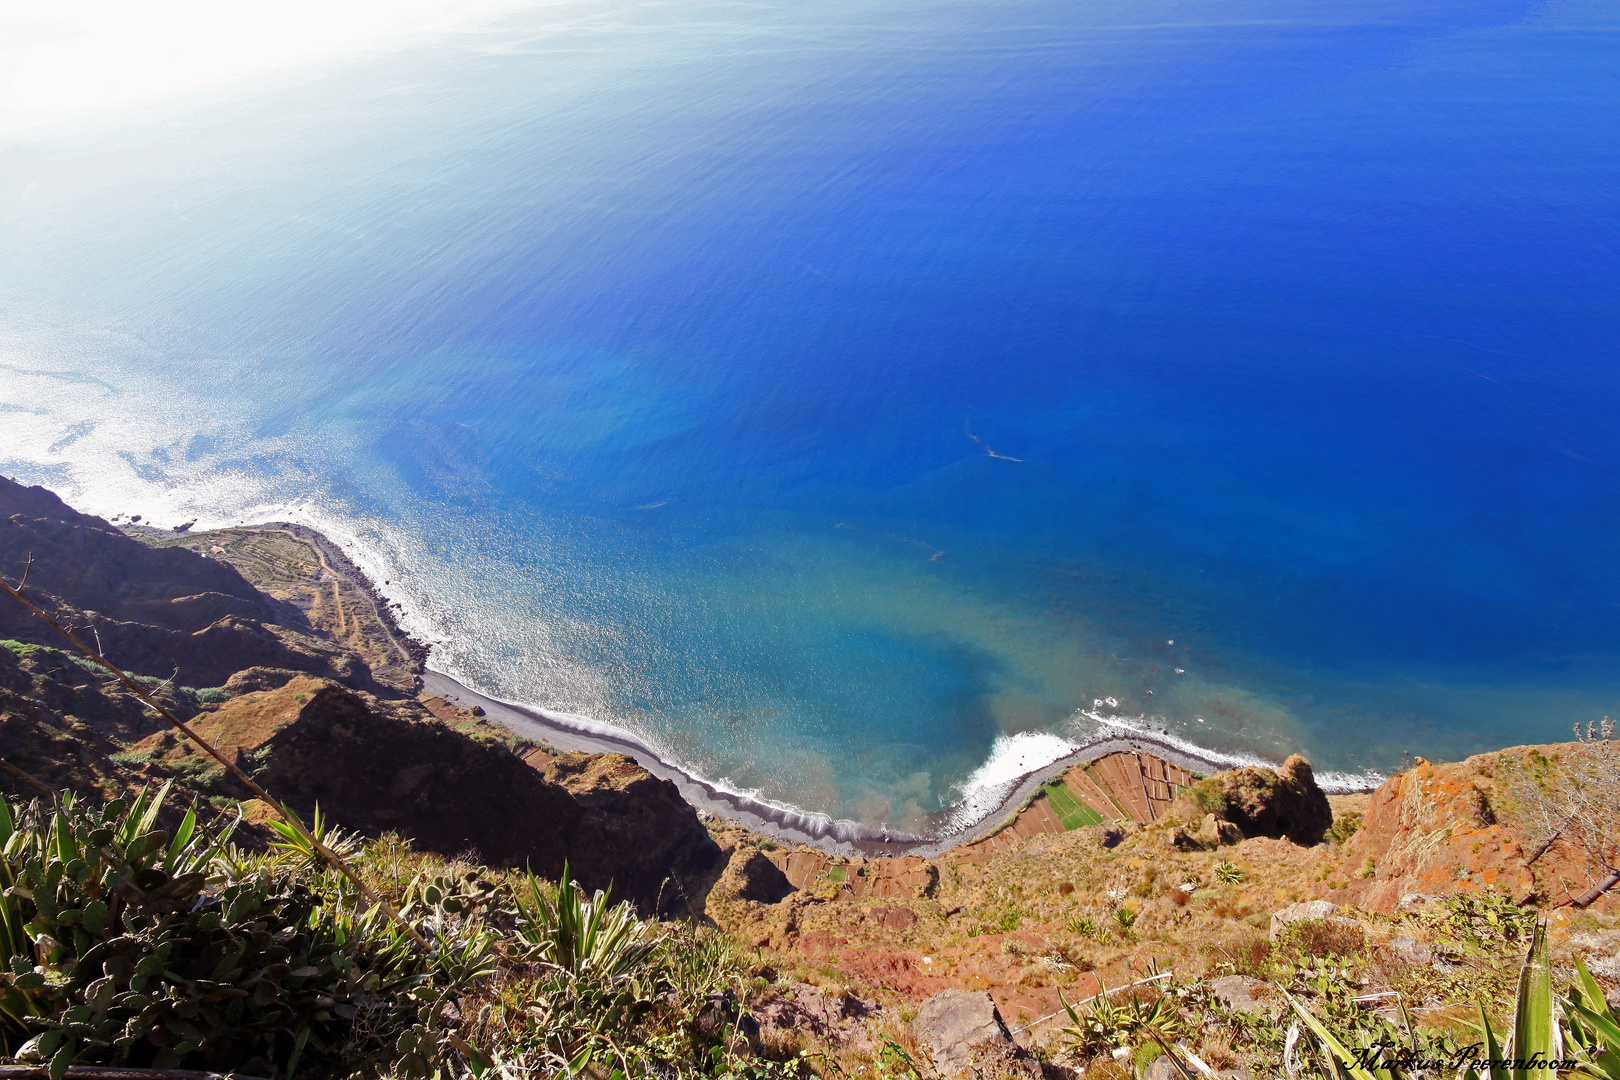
(1342, 783)
(1012, 758)
(1142, 726)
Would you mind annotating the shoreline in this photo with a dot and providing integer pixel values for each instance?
(783, 823)
(835, 837)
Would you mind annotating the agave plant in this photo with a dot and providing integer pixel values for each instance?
(1583, 1030)
(600, 978)
(295, 847)
(586, 937)
(129, 946)
(1105, 1026)
(1593, 1030)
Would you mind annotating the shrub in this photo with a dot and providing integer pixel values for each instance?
(1247, 955)
(1204, 797)
(126, 945)
(1317, 937)
(1343, 828)
(123, 944)
(1582, 1029)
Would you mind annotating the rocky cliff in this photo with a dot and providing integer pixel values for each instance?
(299, 710)
(1468, 827)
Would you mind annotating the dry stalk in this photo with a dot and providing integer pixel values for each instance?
(14, 771)
(1581, 806)
(291, 819)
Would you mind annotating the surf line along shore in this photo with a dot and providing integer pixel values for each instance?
(310, 580)
(790, 826)
(403, 661)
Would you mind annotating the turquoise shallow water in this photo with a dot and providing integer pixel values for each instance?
(832, 395)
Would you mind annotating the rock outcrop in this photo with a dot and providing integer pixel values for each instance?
(1438, 829)
(90, 564)
(314, 741)
(749, 875)
(1325, 911)
(965, 1036)
(1284, 802)
(301, 711)
(1463, 828)
(843, 1020)
(1244, 993)
(159, 612)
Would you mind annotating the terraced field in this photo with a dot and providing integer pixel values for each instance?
(1070, 809)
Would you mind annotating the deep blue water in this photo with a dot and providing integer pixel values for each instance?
(826, 390)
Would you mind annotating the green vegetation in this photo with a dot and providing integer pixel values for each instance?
(1071, 811)
(1583, 1032)
(123, 943)
(1357, 993)
(1204, 797)
(1343, 828)
(21, 648)
(1140, 1019)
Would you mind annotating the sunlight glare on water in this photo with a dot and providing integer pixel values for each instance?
(847, 398)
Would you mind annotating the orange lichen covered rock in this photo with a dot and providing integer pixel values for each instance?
(1461, 827)
(1432, 830)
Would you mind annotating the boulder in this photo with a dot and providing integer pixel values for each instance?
(1215, 832)
(843, 1020)
(1601, 951)
(1180, 839)
(1161, 1068)
(1257, 801)
(1320, 910)
(965, 1035)
(720, 1018)
(1283, 803)
(1211, 834)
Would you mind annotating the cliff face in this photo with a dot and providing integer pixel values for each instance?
(300, 712)
(159, 612)
(1463, 827)
(314, 741)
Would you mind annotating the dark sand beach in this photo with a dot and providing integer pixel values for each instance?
(783, 823)
(568, 732)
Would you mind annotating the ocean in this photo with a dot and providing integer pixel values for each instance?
(864, 404)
